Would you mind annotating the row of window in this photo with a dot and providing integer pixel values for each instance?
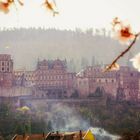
(33, 77)
(98, 80)
(104, 80)
(56, 77)
(51, 71)
(4, 63)
(52, 83)
(26, 76)
(30, 78)
(3, 69)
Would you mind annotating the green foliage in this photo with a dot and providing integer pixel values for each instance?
(38, 126)
(116, 118)
(14, 122)
(131, 136)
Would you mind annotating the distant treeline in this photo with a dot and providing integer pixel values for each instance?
(77, 47)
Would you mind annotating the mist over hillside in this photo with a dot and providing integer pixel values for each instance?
(28, 45)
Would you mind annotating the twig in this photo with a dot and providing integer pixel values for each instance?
(122, 53)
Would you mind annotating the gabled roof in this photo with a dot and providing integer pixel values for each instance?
(78, 135)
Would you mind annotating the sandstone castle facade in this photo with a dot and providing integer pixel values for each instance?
(52, 79)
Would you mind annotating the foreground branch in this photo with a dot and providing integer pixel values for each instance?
(122, 54)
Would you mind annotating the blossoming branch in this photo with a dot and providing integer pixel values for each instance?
(5, 5)
(124, 34)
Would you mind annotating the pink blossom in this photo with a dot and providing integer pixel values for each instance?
(136, 62)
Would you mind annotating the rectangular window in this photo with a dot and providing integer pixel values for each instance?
(8, 69)
(2, 69)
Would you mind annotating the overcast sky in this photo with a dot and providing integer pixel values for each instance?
(73, 13)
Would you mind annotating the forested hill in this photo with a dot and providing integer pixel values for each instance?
(27, 45)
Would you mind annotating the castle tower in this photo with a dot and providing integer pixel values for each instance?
(6, 70)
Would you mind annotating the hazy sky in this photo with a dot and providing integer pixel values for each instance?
(73, 13)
